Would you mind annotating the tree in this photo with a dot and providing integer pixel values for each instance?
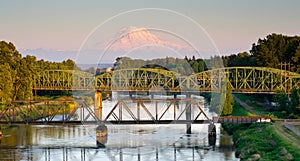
(91, 70)
(6, 83)
(289, 108)
(217, 100)
(70, 64)
(9, 54)
(201, 65)
(195, 66)
(193, 58)
(228, 105)
(222, 102)
(10, 62)
(241, 59)
(295, 101)
(281, 99)
(24, 77)
(215, 62)
(296, 60)
(275, 49)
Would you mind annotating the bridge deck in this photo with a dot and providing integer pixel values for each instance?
(241, 119)
(40, 113)
(221, 119)
(123, 122)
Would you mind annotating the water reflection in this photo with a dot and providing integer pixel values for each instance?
(90, 154)
(121, 142)
(72, 143)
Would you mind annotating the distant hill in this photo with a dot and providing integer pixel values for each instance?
(99, 66)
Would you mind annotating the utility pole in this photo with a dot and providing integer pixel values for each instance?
(286, 67)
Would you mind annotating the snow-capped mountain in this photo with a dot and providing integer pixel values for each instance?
(134, 37)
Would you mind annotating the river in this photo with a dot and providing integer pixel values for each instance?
(124, 143)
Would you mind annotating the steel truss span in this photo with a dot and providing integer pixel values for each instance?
(241, 79)
(48, 112)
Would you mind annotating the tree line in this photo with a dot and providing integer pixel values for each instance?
(17, 72)
(275, 50)
(271, 51)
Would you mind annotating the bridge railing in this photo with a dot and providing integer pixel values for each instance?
(241, 119)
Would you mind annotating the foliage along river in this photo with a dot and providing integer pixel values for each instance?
(124, 143)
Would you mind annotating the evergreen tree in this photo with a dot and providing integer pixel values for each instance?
(295, 101)
(222, 102)
(228, 105)
(281, 98)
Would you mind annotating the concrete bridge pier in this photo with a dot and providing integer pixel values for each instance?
(188, 114)
(98, 105)
(177, 103)
(0, 134)
(212, 134)
(101, 136)
(101, 130)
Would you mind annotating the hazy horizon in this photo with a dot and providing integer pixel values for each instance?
(56, 30)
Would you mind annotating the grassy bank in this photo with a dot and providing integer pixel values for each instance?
(256, 102)
(239, 110)
(262, 141)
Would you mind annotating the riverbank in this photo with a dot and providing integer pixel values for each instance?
(262, 141)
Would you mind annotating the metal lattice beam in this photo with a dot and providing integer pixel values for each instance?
(44, 112)
(242, 80)
(134, 107)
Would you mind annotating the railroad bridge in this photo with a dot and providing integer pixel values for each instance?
(241, 80)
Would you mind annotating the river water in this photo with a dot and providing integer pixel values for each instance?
(124, 143)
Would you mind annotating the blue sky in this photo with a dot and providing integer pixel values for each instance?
(63, 25)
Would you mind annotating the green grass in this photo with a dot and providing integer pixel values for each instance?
(261, 139)
(283, 140)
(261, 111)
(254, 100)
(239, 110)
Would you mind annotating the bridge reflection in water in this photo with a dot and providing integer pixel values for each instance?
(68, 143)
(30, 145)
(88, 154)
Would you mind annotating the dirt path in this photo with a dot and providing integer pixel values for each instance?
(286, 135)
(245, 105)
(292, 126)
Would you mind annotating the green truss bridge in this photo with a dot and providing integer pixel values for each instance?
(241, 79)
